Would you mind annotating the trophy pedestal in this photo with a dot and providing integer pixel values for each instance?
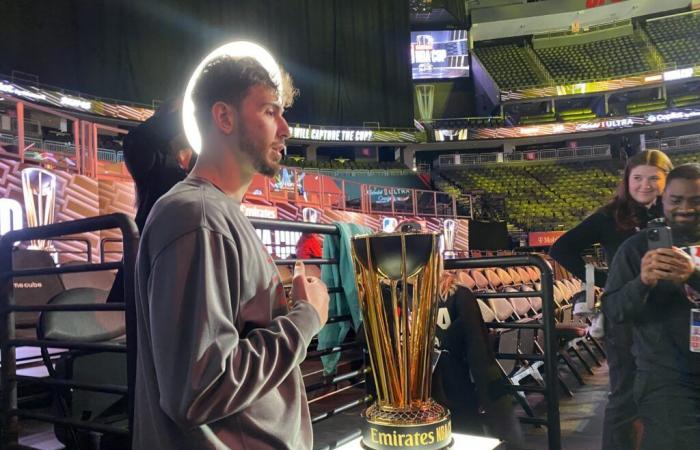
(427, 427)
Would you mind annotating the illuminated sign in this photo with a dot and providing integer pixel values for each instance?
(606, 124)
(543, 238)
(381, 195)
(530, 131)
(672, 116)
(652, 78)
(554, 128)
(10, 89)
(678, 74)
(61, 100)
(327, 134)
(260, 211)
(461, 134)
(439, 54)
(76, 103)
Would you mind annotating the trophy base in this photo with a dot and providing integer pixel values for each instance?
(427, 428)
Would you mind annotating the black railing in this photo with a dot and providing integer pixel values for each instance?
(357, 373)
(9, 431)
(546, 324)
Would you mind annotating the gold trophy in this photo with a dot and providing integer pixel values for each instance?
(39, 189)
(397, 278)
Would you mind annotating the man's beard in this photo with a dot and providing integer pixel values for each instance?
(685, 230)
(258, 155)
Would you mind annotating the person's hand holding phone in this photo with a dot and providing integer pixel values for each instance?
(671, 264)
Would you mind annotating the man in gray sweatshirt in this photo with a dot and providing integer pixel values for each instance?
(219, 347)
(650, 289)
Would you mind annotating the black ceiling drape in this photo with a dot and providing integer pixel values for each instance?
(350, 59)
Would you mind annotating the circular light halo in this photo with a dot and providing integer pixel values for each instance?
(237, 49)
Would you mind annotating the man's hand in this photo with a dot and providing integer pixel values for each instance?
(671, 264)
(310, 289)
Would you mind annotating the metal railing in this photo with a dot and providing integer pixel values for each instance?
(103, 154)
(583, 153)
(58, 147)
(378, 127)
(356, 376)
(8, 139)
(678, 143)
(9, 410)
(347, 195)
(359, 369)
(546, 323)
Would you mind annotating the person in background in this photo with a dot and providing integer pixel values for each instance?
(310, 246)
(157, 156)
(466, 377)
(636, 202)
(655, 291)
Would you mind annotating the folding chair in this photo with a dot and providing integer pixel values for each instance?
(87, 367)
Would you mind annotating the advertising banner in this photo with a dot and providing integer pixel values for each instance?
(543, 238)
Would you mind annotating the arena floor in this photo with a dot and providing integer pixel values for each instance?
(581, 417)
(581, 420)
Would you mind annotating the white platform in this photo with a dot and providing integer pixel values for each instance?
(462, 441)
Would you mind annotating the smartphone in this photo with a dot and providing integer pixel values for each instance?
(659, 237)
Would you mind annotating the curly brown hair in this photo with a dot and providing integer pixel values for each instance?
(228, 79)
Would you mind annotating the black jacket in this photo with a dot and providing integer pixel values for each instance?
(153, 165)
(598, 228)
(467, 378)
(660, 316)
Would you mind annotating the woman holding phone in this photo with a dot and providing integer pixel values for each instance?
(635, 203)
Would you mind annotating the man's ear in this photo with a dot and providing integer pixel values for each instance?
(224, 117)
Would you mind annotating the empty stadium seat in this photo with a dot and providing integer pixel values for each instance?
(598, 60)
(538, 196)
(677, 38)
(509, 66)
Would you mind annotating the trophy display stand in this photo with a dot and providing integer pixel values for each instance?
(397, 277)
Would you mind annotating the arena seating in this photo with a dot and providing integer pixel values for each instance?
(673, 41)
(538, 118)
(646, 106)
(597, 60)
(571, 331)
(677, 38)
(685, 100)
(509, 66)
(347, 165)
(692, 156)
(576, 114)
(542, 196)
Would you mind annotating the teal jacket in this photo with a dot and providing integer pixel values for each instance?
(340, 275)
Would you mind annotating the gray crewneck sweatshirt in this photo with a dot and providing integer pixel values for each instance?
(218, 349)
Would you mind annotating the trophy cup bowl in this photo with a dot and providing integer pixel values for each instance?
(397, 277)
